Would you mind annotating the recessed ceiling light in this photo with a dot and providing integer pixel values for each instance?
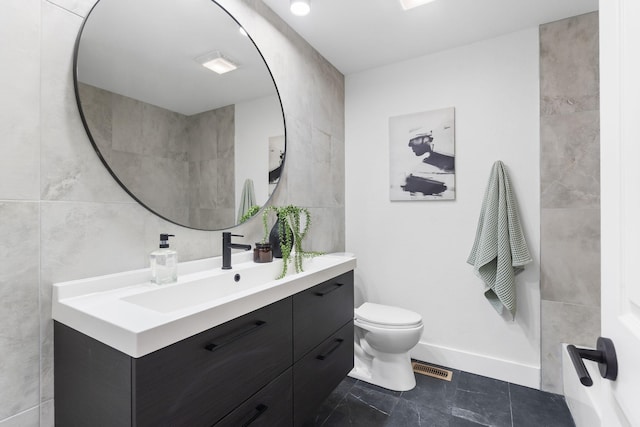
(217, 62)
(300, 7)
(410, 4)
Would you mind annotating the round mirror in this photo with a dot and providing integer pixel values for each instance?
(181, 108)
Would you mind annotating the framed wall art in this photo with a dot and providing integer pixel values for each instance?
(422, 156)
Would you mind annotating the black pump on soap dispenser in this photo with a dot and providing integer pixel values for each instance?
(164, 262)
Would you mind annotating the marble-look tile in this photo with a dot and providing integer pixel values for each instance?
(462, 422)
(564, 323)
(334, 399)
(488, 402)
(570, 160)
(298, 164)
(77, 7)
(203, 184)
(47, 414)
(569, 65)
(98, 114)
(337, 171)
(363, 406)
(189, 243)
(155, 181)
(164, 133)
(211, 219)
(70, 168)
(225, 130)
(321, 168)
(29, 418)
(226, 175)
(433, 392)
(89, 239)
(127, 123)
(533, 408)
(81, 240)
(211, 134)
(20, 107)
(328, 105)
(482, 400)
(327, 230)
(570, 256)
(19, 329)
(142, 128)
(417, 413)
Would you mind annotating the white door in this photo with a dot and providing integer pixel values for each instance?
(620, 190)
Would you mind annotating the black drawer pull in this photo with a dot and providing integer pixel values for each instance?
(334, 287)
(251, 329)
(338, 342)
(260, 409)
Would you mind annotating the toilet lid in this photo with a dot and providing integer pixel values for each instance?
(387, 315)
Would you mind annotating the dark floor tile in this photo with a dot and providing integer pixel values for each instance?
(461, 422)
(410, 413)
(433, 392)
(479, 384)
(533, 408)
(355, 412)
(482, 400)
(328, 406)
(378, 398)
(364, 384)
(467, 401)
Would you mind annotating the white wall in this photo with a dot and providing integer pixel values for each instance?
(413, 254)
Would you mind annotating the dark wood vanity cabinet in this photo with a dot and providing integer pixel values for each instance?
(271, 367)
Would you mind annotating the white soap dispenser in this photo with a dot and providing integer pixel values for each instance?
(164, 263)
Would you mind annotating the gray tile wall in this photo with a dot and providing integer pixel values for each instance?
(62, 215)
(211, 168)
(570, 190)
(190, 158)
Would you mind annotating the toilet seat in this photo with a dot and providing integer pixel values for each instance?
(384, 316)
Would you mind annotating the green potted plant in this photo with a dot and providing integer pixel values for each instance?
(292, 225)
(248, 214)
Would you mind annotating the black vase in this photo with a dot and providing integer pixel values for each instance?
(275, 238)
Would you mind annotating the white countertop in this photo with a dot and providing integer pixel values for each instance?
(130, 314)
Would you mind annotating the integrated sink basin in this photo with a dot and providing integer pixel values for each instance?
(234, 283)
(127, 312)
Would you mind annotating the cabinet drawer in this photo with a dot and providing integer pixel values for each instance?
(271, 406)
(199, 380)
(320, 311)
(320, 371)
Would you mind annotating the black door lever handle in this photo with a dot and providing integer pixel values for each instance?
(605, 355)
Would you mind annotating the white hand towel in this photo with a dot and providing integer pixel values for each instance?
(500, 249)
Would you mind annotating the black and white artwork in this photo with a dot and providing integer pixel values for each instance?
(422, 156)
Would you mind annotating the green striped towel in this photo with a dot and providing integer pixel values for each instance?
(500, 250)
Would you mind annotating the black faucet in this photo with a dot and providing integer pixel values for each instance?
(227, 246)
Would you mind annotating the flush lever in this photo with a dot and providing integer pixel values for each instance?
(605, 355)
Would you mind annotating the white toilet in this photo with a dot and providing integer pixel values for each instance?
(383, 337)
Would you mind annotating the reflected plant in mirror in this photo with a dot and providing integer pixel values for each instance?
(197, 147)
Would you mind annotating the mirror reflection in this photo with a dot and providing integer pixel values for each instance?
(196, 147)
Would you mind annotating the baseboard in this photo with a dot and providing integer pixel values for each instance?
(505, 370)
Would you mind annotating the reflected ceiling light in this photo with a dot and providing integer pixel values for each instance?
(217, 62)
(410, 4)
(300, 7)
(243, 31)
